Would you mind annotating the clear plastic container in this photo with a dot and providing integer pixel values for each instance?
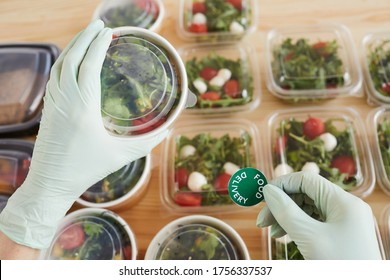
(123, 188)
(316, 62)
(15, 158)
(197, 237)
(199, 159)
(24, 72)
(140, 13)
(213, 21)
(3, 200)
(224, 77)
(329, 141)
(376, 65)
(378, 123)
(144, 83)
(385, 230)
(92, 234)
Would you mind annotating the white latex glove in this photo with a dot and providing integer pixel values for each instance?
(348, 229)
(73, 150)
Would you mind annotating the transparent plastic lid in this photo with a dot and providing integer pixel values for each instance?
(313, 62)
(196, 242)
(116, 184)
(141, 13)
(139, 86)
(3, 201)
(23, 74)
(87, 238)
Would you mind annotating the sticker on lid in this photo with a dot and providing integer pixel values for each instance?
(246, 187)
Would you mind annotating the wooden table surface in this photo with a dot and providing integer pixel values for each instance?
(57, 21)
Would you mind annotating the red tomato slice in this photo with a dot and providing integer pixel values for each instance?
(146, 119)
(198, 28)
(127, 252)
(280, 145)
(236, 4)
(345, 164)
(198, 7)
(210, 95)
(221, 183)
(73, 237)
(386, 88)
(208, 73)
(289, 56)
(313, 127)
(181, 177)
(319, 45)
(188, 199)
(232, 89)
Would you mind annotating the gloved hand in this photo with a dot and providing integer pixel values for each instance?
(348, 229)
(73, 150)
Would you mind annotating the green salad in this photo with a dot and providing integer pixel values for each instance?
(204, 165)
(325, 147)
(379, 68)
(383, 130)
(301, 65)
(219, 81)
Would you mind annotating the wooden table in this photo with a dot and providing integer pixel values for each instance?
(57, 21)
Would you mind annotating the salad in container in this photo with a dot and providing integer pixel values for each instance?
(376, 57)
(199, 160)
(316, 62)
(140, 13)
(123, 188)
(92, 234)
(224, 77)
(143, 83)
(217, 20)
(331, 142)
(197, 237)
(15, 158)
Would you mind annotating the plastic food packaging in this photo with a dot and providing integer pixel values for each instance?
(329, 141)
(316, 62)
(197, 237)
(224, 77)
(139, 13)
(24, 72)
(121, 189)
(143, 83)
(199, 159)
(92, 234)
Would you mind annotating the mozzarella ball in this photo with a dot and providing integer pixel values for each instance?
(235, 27)
(330, 141)
(199, 18)
(225, 74)
(230, 168)
(200, 86)
(311, 167)
(196, 181)
(283, 169)
(217, 81)
(187, 150)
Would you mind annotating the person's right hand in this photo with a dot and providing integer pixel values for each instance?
(348, 229)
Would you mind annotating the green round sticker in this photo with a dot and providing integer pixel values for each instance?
(246, 187)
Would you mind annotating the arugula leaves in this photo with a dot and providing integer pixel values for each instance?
(379, 68)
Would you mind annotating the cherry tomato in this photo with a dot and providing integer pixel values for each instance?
(146, 119)
(188, 199)
(208, 73)
(236, 4)
(73, 237)
(210, 95)
(221, 183)
(345, 164)
(198, 7)
(181, 177)
(319, 45)
(313, 127)
(386, 88)
(289, 56)
(232, 89)
(198, 28)
(127, 252)
(280, 145)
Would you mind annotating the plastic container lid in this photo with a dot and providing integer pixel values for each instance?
(376, 57)
(385, 230)
(15, 158)
(199, 159)
(141, 13)
(208, 20)
(224, 77)
(312, 62)
(330, 141)
(3, 201)
(144, 86)
(24, 72)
